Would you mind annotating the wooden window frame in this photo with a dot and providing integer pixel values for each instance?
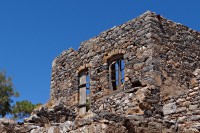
(82, 88)
(115, 82)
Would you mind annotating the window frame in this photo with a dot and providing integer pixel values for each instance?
(116, 76)
(85, 85)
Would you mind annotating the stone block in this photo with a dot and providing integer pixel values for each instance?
(140, 95)
(194, 118)
(169, 108)
(134, 110)
(138, 66)
(193, 107)
(182, 119)
(181, 109)
(193, 94)
(194, 82)
(196, 72)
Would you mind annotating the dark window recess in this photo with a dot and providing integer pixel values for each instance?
(116, 72)
(136, 83)
(98, 71)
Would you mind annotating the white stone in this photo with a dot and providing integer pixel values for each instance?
(126, 101)
(196, 72)
(51, 130)
(148, 35)
(196, 88)
(181, 119)
(67, 126)
(169, 108)
(101, 107)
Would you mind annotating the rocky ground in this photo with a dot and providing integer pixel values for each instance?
(101, 122)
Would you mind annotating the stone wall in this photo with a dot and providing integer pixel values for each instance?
(139, 100)
(176, 56)
(160, 59)
(129, 39)
(184, 109)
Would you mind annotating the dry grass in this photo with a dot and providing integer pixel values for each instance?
(50, 103)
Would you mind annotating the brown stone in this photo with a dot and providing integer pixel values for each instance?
(135, 110)
(194, 82)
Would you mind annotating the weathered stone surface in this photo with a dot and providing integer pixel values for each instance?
(169, 108)
(193, 107)
(182, 109)
(182, 119)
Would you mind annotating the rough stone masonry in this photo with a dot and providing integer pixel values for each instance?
(140, 77)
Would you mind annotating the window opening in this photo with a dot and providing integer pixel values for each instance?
(87, 84)
(116, 72)
(84, 92)
(87, 92)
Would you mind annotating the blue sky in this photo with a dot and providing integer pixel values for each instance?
(34, 32)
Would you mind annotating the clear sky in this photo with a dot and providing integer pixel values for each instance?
(34, 32)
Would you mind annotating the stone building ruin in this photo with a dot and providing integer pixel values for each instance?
(145, 66)
(141, 76)
(149, 51)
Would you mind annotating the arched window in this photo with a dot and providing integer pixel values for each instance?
(116, 71)
(84, 91)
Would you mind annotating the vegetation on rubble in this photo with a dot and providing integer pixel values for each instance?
(23, 109)
(7, 91)
(18, 110)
